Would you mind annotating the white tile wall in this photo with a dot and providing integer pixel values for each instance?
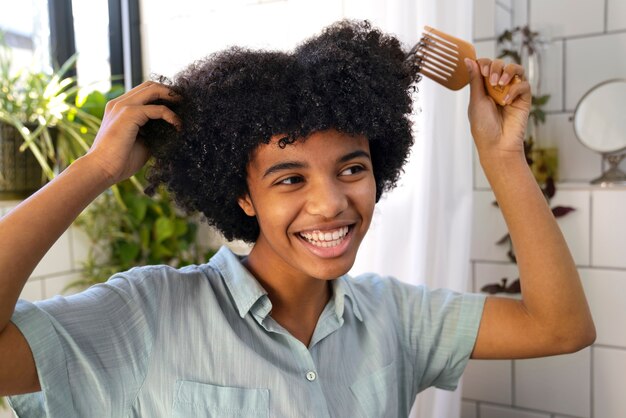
(591, 60)
(33, 290)
(608, 241)
(616, 15)
(484, 19)
(80, 246)
(559, 384)
(608, 383)
(489, 226)
(606, 294)
(559, 18)
(552, 75)
(468, 409)
(489, 381)
(492, 411)
(589, 383)
(58, 258)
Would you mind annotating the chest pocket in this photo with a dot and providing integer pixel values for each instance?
(377, 394)
(192, 399)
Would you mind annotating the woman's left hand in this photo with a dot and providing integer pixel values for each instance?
(498, 131)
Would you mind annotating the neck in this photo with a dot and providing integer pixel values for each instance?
(297, 301)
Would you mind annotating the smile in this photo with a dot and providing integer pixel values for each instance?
(326, 239)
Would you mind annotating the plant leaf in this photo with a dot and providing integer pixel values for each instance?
(163, 229)
(559, 211)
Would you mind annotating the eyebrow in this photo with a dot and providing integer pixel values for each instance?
(290, 165)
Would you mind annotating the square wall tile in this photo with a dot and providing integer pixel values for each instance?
(504, 17)
(582, 68)
(560, 18)
(53, 286)
(484, 19)
(80, 247)
(575, 225)
(489, 381)
(488, 227)
(492, 411)
(468, 409)
(486, 48)
(608, 382)
(616, 15)
(491, 273)
(608, 228)
(552, 75)
(577, 163)
(57, 259)
(558, 384)
(606, 294)
(520, 12)
(32, 291)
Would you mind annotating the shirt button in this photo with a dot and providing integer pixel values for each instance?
(311, 376)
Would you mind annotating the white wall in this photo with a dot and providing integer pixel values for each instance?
(589, 40)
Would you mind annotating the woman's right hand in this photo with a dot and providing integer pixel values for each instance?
(116, 149)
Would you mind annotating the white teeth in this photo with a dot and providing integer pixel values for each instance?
(326, 239)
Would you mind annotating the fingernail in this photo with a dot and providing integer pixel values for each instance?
(506, 99)
(504, 79)
(494, 79)
(485, 70)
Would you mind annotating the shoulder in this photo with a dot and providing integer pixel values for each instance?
(372, 285)
(146, 286)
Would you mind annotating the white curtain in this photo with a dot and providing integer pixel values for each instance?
(421, 230)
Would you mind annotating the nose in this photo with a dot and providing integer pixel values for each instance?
(326, 199)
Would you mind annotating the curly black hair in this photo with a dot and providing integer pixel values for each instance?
(352, 78)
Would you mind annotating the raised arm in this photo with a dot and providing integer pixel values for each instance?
(29, 230)
(553, 316)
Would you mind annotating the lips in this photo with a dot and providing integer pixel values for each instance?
(327, 243)
(326, 239)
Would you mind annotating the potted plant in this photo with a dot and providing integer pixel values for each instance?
(41, 128)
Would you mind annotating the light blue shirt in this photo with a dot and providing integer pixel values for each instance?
(200, 342)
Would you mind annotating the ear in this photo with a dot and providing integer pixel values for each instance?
(245, 203)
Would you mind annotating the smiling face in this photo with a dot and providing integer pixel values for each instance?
(314, 201)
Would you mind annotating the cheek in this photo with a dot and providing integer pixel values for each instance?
(275, 215)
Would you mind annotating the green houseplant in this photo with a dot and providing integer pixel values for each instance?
(41, 127)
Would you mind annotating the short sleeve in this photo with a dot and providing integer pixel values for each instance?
(441, 328)
(91, 349)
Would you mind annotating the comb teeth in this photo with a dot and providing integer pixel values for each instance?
(439, 58)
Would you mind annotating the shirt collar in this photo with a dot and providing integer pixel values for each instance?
(243, 287)
(247, 291)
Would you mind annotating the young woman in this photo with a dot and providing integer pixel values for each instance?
(290, 151)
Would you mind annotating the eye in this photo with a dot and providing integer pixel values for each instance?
(352, 170)
(291, 180)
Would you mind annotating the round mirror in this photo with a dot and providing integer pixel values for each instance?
(599, 119)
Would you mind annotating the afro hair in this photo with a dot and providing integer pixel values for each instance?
(351, 77)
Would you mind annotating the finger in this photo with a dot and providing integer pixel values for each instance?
(519, 90)
(495, 71)
(162, 112)
(509, 72)
(149, 92)
(140, 114)
(477, 89)
(485, 65)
